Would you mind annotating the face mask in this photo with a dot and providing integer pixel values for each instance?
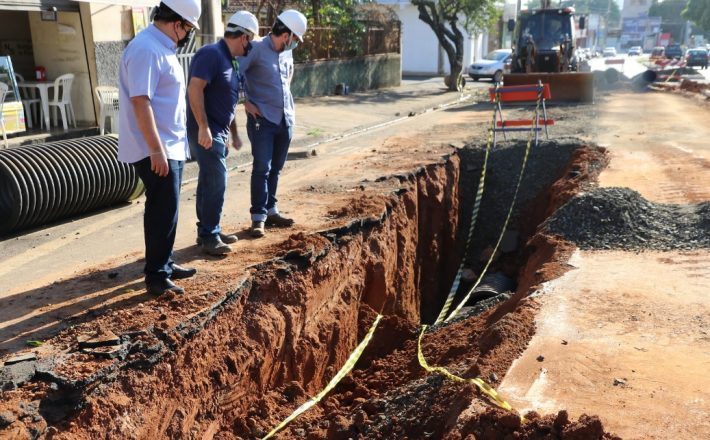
(291, 45)
(247, 48)
(183, 41)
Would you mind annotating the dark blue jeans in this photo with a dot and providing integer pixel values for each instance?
(269, 147)
(162, 200)
(211, 185)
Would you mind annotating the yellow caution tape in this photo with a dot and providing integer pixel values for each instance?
(507, 217)
(347, 367)
(474, 216)
(483, 386)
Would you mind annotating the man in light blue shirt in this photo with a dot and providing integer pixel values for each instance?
(152, 133)
(268, 70)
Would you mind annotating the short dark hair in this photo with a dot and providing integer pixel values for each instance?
(280, 28)
(163, 13)
(233, 34)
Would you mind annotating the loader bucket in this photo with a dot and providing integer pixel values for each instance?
(565, 87)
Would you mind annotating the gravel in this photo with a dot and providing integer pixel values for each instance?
(545, 165)
(619, 218)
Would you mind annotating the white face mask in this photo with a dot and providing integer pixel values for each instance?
(291, 45)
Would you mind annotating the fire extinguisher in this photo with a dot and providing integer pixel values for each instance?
(40, 73)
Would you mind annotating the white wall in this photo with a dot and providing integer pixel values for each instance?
(421, 52)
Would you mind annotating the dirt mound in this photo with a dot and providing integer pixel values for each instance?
(693, 86)
(619, 218)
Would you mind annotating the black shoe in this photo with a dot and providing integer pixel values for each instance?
(226, 238)
(257, 229)
(180, 272)
(160, 287)
(279, 221)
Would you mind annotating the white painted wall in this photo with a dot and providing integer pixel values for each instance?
(111, 22)
(421, 52)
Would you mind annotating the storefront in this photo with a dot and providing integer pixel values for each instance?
(85, 38)
(55, 37)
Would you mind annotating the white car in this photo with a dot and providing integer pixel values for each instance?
(609, 52)
(491, 66)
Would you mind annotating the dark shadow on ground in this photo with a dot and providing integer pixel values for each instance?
(85, 304)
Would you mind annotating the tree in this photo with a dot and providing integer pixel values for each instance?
(447, 18)
(606, 8)
(698, 11)
(669, 11)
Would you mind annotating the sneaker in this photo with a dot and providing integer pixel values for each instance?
(257, 229)
(180, 272)
(160, 287)
(226, 238)
(215, 247)
(279, 221)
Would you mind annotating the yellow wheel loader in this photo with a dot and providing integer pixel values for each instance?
(544, 45)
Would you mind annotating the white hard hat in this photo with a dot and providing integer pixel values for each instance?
(189, 10)
(243, 21)
(295, 21)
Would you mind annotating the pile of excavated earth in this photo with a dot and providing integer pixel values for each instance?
(239, 357)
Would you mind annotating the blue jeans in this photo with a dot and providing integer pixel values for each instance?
(269, 147)
(211, 185)
(162, 200)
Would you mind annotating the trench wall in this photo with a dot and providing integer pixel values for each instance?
(293, 321)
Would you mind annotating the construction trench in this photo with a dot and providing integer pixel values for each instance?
(264, 343)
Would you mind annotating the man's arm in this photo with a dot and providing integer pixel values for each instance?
(236, 142)
(146, 124)
(196, 92)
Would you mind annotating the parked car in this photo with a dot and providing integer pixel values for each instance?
(609, 52)
(491, 66)
(697, 57)
(634, 51)
(674, 51)
(658, 53)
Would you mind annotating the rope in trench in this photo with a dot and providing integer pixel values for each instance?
(480, 383)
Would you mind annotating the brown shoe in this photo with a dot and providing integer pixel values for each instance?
(279, 221)
(257, 229)
(226, 238)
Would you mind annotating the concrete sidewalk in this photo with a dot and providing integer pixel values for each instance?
(324, 118)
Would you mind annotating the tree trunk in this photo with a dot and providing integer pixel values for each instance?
(456, 69)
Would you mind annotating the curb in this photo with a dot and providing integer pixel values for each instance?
(312, 150)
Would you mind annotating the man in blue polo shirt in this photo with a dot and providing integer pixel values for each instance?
(152, 131)
(270, 114)
(213, 93)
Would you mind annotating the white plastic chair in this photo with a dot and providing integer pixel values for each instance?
(30, 102)
(108, 107)
(62, 100)
(3, 93)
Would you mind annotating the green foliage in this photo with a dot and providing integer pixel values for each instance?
(599, 7)
(698, 11)
(344, 36)
(669, 11)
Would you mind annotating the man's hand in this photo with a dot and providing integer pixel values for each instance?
(251, 108)
(159, 163)
(204, 137)
(236, 143)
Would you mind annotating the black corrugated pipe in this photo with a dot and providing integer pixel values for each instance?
(46, 182)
